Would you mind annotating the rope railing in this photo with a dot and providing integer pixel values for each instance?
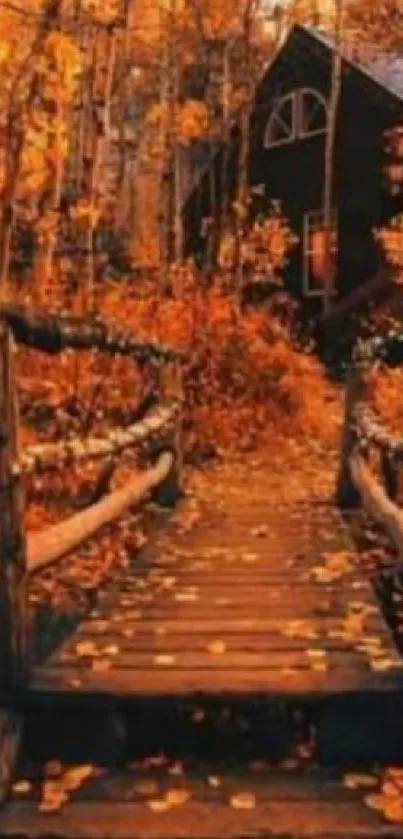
(364, 434)
(50, 456)
(53, 333)
(157, 434)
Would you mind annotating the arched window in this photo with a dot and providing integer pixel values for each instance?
(282, 122)
(312, 116)
(297, 115)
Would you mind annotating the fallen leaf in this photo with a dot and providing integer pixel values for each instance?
(21, 787)
(217, 647)
(355, 780)
(101, 665)
(185, 596)
(176, 797)
(53, 803)
(111, 649)
(390, 789)
(75, 777)
(260, 531)
(85, 649)
(375, 801)
(164, 660)
(393, 810)
(128, 633)
(146, 787)
(243, 801)
(383, 664)
(158, 805)
(249, 557)
(99, 626)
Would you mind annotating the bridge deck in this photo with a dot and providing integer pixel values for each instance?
(257, 596)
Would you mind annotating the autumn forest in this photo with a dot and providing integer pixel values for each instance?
(201, 347)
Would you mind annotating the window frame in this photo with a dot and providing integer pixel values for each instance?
(307, 252)
(279, 103)
(297, 115)
(302, 92)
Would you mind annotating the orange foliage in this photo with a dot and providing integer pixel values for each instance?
(387, 397)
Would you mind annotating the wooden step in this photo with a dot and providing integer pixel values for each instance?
(282, 805)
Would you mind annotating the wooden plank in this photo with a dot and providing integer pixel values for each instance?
(181, 682)
(143, 640)
(217, 625)
(205, 660)
(317, 819)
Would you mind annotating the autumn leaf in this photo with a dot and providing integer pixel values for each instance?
(21, 787)
(101, 665)
(86, 649)
(186, 596)
(243, 801)
(217, 647)
(165, 660)
(261, 530)
(147, 786)
(75, 777)
(176, 797)
(356, 780)
(158, 805)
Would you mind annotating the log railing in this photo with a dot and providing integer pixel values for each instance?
(157, 433)
(371, 456)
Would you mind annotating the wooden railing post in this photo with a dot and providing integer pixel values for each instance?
(347, 495)
(171, 387)
(389, 474)
(13, 595)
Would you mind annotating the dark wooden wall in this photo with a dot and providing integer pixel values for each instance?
(294, 173)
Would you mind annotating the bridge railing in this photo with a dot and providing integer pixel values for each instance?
(157, 433)
(371, 456)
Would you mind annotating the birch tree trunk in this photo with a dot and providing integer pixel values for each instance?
(330, 158)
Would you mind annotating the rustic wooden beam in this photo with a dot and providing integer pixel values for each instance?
(56, 541)
(170, 386)
(48, 456)
(10, 741)
(390, 474)
(14, 652)
(356, 390)
(53, 333)
(376, 501)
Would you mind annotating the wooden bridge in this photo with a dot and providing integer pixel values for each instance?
(227, 653)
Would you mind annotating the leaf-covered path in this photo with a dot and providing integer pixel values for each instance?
(250, 590)
(241, 654)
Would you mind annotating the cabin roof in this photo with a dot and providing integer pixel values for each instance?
(384, 68)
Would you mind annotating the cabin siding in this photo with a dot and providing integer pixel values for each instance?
(293, 172)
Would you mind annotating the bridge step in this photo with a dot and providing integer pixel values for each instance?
(212, 802)
(240, 611)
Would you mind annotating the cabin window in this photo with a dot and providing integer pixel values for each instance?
(282, 122)
(315, 257)
(298, 115)
(312, 113)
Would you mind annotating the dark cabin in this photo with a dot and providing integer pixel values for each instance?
(287, 160)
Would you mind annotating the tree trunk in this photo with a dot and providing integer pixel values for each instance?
(330, 155)
(13, 595)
